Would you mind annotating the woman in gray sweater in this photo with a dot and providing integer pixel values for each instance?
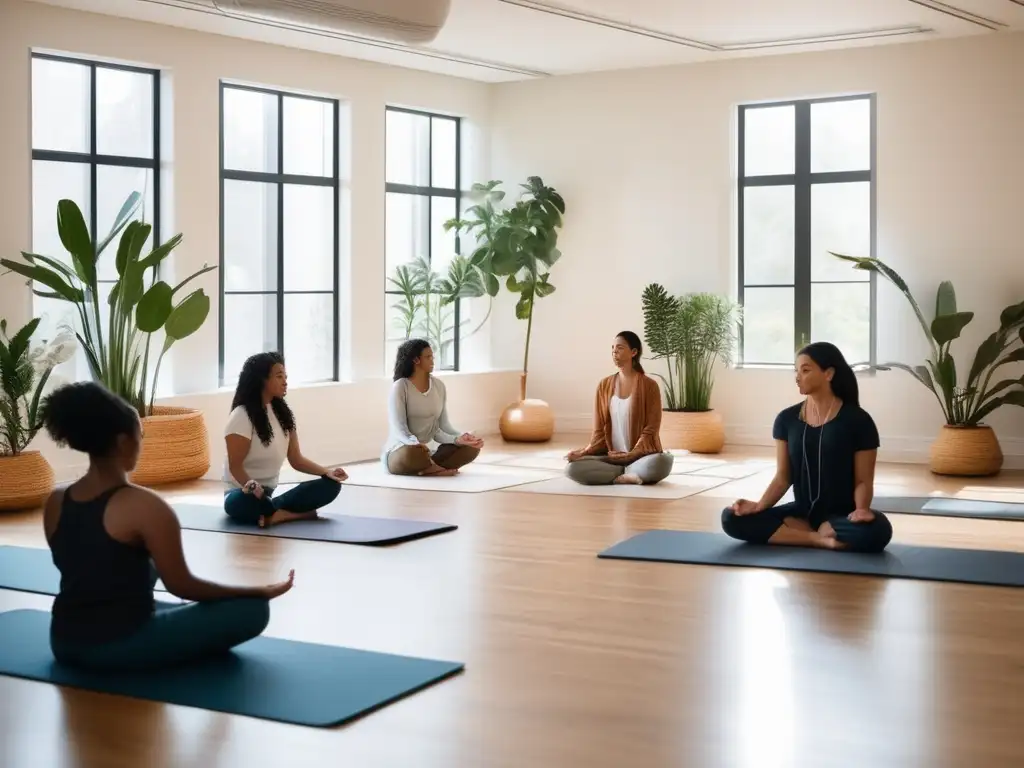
(418, 416)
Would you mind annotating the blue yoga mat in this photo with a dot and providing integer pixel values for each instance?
(268, 678)
(27, 569)
(330, 526)
(940, 506)
(899, 561)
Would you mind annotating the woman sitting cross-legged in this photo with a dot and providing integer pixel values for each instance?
(106, 535)
(260, 435)
(825, 448)
(625, 446)
(418, 416)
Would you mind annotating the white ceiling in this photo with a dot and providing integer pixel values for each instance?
(502, 40)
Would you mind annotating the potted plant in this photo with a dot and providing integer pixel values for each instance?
(175, 444)
(965, 446)
(692, 333)
(518, 243)
(26, 478)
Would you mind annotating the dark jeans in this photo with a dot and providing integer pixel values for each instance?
(176, 634)
(759, 527)
(305, 497)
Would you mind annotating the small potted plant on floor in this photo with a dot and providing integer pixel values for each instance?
(965, 446)
(26, 478)
(117, 349)
(692, 333)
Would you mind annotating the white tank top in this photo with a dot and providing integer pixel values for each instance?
(618, 411)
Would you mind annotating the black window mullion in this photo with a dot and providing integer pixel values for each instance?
(337, 239)
(220, 271)
(458, 212)
(93, 216)
(280, 224)
(802, 228)
(741, 161)
(156, 163)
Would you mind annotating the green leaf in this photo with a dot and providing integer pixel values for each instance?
(47, 277)
(161, 252)
(986, 355)
(945, 299)
(1012, 316)
(187, 317)
(543, 287)
(1016, 397)
(919, 372)
(1004, 384)
(19, 344)
(154, 308)
(524, 306)
(1015, 356)
(492, 285)
(56, 266)
(131, 286)
(946, 328)
(192, 277)
(128, 208)
(74, 234)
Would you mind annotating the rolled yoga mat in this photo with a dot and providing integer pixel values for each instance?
(344, 529)
(899, 561)
(28, 569)
(945, 506)
(267, 677)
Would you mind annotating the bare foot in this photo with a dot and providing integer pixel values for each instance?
(284, 516)
(797, 523)
(627, 480)
(830, 542)
(826, 530)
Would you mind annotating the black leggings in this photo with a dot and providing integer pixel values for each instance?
(759, 527)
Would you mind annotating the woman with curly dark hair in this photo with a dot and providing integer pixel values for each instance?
(418, 416)
(260, 435)
(110, 540)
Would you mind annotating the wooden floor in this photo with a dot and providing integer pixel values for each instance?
(574, 661)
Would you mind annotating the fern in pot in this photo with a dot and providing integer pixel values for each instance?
(693, 333)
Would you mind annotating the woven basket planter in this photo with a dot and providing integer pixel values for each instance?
(175, 447)
(25, 481)
(966, 452)
(696, 431)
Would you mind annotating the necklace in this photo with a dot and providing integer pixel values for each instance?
(821, 442)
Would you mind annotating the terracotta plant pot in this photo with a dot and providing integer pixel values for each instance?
(696, 431)
(175, 447)
(528, 420)
(966, 452)
(25, 481)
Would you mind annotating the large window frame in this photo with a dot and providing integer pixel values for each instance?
(279, 179)
(93, 158)
(429, 191)
(803, 180)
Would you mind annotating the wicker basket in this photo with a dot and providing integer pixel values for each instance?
(25, 481)
(696, 431)
(966, 452)
(175, 447)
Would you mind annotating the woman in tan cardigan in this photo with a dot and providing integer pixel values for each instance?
(625, 446)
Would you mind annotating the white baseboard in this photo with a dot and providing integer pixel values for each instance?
(898, 449)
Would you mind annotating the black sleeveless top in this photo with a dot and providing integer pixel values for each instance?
(106, 587)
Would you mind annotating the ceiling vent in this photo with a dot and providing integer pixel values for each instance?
(401, 21)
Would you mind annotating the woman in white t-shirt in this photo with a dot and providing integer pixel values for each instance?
(260, 435)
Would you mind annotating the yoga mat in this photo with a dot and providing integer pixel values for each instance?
(554, 461)
(945, 506)
(344, 529)
(27, 569)
(899, 561)
(267, 678)
(475, 478)
(672, 487)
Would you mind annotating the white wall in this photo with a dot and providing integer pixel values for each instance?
(645, 161)
(194, 63)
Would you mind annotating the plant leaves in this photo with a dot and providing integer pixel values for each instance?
(128, 208)
(154, 308)
(19, 344)
(192, 277)
(47, 277)
(947, 328)
(187, 317)
(1011, 316)
(74, 234)
(1016, 397)
(986, 355)
(945, 299)
(161, 252)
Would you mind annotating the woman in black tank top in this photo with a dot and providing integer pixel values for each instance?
(107, 535)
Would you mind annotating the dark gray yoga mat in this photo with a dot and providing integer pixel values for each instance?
(268, 678)
(27, 569)
(899, 561)
(345, 529)
(949, 507)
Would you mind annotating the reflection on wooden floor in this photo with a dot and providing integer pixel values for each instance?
(573, 661)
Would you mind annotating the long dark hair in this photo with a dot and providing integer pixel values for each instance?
(249, 394)
(633, 342)
(405, 359)
(89, 418)
(844, 380)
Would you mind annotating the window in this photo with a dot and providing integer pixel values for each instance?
(95, 140)
(279, 207)
(806, 187)
(422, 192)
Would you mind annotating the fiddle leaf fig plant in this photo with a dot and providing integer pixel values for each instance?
(969, 403)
